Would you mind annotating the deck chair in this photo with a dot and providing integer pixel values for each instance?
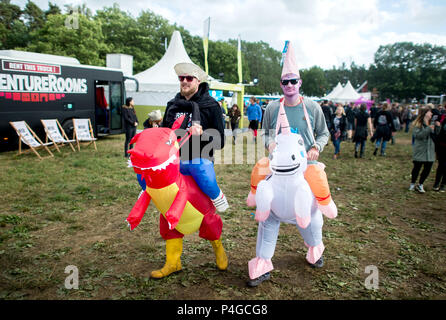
(28, 137)
(83, 132)
(56, 133)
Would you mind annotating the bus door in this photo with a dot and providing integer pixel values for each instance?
(108, 102)
(116, 102)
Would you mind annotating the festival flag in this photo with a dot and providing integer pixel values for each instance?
(206, 28)
(239, 60)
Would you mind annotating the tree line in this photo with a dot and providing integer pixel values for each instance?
(400, 71)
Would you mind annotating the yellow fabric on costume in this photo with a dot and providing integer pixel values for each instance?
(163, 198)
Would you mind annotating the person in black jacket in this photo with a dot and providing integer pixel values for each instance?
(203, 119)
(130, 123)
(362, 121)
(328, 114)
(338, 129)
(384, 128)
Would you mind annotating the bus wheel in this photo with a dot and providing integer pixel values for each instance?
(68, 127)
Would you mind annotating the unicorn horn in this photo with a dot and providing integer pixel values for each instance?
(282, 120)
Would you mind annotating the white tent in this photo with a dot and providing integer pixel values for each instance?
(336, 90)
(159, 83)
(348, 94)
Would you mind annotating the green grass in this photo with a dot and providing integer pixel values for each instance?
(70, 210)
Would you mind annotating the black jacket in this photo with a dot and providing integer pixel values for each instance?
(342, 127)
(129, 116)
(210, 117)
(383, 123)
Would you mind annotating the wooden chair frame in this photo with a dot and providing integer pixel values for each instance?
(80, 139)
(62, 134)
(22, 138)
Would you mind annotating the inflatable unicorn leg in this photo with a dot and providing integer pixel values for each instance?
(312, 236)
(266, 244)
(318, 182)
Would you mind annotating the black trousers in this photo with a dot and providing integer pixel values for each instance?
(427, 166)
(440, 177)
(130, 132)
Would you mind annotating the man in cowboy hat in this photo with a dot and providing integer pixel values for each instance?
(203, 118)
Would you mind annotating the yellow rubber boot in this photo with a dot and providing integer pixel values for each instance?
(174, 248)
(220, 254)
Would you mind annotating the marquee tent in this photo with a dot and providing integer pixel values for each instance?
(159, 83)
(336, 90)
(348, 94)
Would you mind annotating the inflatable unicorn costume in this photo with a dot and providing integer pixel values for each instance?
(286, 188)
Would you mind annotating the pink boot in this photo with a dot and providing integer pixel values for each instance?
(259, 266)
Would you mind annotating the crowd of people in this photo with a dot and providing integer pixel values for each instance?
(355, 123)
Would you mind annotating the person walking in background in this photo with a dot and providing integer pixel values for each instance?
(223, 112)
(362, 121)
(440, 150)
(423, 148)
(407, 118)
(130, 123)
(395, 119)
(338, 129)
(328, 114)
(384, 128)
(350, 113)
(254, 114)
(373, 112)
(234, 118)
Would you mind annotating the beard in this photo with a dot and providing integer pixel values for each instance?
(188, 91)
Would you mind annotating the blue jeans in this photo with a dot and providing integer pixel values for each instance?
(407, 125)
(358, 144)
(337, 145)
(202, 170)
(383, 145)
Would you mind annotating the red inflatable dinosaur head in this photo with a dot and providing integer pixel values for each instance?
(156, 156)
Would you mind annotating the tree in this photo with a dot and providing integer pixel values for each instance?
(34, 16)
(52, 9)
(13, 32)
(85, 43)
(313, 81)
(404, 70)
(264, 64)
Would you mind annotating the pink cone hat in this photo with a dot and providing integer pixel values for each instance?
(289, 62)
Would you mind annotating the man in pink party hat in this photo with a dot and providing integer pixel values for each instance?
(305, 117)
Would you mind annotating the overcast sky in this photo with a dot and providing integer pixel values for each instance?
(324, 32)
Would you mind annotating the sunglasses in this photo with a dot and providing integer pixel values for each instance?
(293, 81)
(188, 78)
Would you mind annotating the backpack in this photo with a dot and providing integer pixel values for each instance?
(382, 120)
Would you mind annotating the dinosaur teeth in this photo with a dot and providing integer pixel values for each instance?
(163, 165)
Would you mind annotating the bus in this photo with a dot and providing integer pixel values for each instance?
(36, 86)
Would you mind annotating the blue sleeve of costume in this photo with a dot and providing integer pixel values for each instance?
(141, 181)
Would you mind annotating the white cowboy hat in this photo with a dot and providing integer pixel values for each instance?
(155, 115)
(190, 69)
